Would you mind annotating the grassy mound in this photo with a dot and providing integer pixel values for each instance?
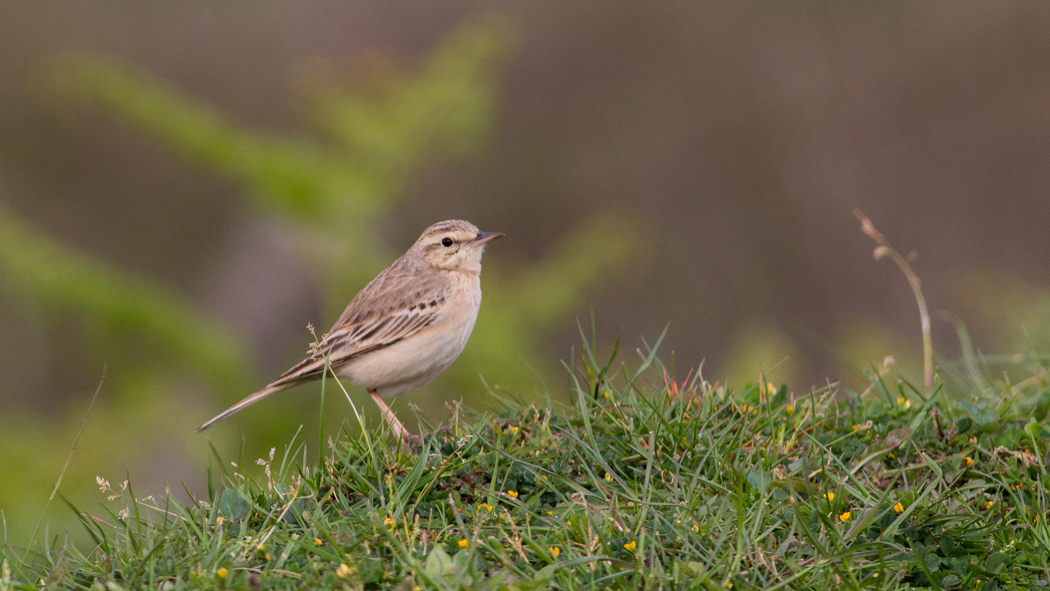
(645, 483)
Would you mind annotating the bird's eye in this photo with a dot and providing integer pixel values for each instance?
(446, 242)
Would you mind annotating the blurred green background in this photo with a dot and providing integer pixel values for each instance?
(184, 187)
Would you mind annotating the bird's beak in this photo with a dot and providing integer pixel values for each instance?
(484, 237)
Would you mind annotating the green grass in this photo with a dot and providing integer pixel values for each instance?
(645, 482)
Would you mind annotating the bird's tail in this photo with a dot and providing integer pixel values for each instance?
(248, 401)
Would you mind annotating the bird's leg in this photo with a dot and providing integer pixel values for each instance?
(395, 424)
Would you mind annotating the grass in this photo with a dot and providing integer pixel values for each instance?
(646, 481)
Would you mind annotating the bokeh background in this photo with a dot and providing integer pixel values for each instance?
(185, 186)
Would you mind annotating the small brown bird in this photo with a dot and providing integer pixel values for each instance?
(405, 327)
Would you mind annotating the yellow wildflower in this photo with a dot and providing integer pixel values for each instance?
(898, 508)
(317, 542)
(989, 504)
(696, 528)
(608, 477)
(790, 408)
(219, 520)
(389, 522)
(830, 496)
(630, 546)
(486, 507)
(968, 460)
(463, 543)
(606, 394)
(513, 493)
(555, 551)
(344, 571)
(222, 572)
(260, 547)
(844, 517)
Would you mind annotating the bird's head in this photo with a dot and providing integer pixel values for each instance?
(454, 245)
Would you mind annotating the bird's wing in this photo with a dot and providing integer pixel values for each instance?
(345, 343)
(394, 306)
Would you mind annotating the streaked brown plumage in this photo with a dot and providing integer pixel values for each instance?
(405, 327)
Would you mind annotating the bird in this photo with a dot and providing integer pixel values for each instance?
(404, 328)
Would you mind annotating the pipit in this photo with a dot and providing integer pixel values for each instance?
(405, 327)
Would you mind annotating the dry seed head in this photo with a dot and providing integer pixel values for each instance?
(867, 227)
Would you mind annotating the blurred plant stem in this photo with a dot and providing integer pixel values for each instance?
(121, 308)
(884, 249)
